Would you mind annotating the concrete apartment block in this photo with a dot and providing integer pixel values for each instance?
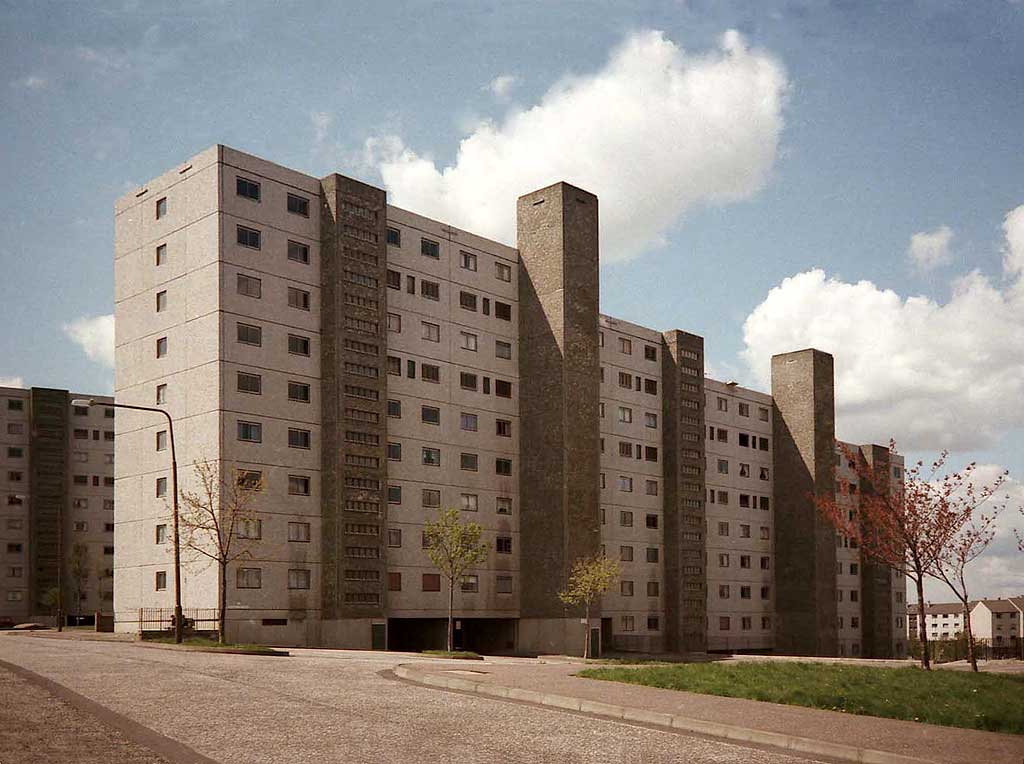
(740, 518)
(373, 366)
(559, 367)
(803, 433)
(56, 517)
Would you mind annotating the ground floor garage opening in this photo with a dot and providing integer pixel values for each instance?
(491, 636)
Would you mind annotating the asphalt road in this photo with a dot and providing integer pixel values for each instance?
(334, 706)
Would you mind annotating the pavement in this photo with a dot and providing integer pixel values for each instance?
(807, 731)
(334, 706)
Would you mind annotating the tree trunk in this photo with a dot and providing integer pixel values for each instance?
(223, 604)
(971, 656)
(451, 611)
(922, 624)
(586, 632)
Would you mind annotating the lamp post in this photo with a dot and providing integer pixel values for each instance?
(174, 503)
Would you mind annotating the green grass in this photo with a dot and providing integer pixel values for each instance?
(950, 698)
(463, 654)
(205, 643)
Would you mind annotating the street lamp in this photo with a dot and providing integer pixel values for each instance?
(87, 402)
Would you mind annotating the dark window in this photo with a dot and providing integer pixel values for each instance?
(430, 248)
(394, 237)
(161, 207)
(502, 311)
(395, 409)
(250, 335)
(431, 582)
(503, 466)
(467, 300)
(651, 386)
(298, 252)
(298, 345)
(248, 237)
(298, 205)
(503, 545)
(298, 391)
(503, 388)
(650, 353)
(250, 189)
(394, 279)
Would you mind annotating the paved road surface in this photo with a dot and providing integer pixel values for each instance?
(339, 706)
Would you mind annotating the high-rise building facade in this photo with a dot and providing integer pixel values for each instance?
(370, 366)
(57, 512)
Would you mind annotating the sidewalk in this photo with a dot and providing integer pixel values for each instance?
(803, 730)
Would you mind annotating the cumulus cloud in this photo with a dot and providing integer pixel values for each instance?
(930, 249)
(502, 85)
(654, 132)
(95, 336)
(932, 375)
(12, 382)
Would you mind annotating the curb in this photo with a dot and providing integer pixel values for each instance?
(670, 721)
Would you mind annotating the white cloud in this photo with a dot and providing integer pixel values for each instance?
(654, 132)
(12, 382)
(930, 249)
(932, 375)
(322, 122)
(32, 82)
(502, 85)
(95, 335)
(1013, 254)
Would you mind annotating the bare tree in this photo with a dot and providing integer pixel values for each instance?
(961, 501)
(218, 519)
(454, 547)
(901, 525)
(590, 578)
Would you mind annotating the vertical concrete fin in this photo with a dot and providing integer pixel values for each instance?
(559, 389)
(804, 461)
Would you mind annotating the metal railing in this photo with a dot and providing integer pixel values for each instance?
(193, 620)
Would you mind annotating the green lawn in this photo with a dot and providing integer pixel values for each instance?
(951, 698)
(213, 644)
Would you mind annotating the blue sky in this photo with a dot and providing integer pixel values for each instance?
(879, 121)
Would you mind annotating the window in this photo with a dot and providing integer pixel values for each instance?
(430, 248)
(432, 457)
(15, 452)
(502, 311)
(394, 322)
(394, 237)
(723, 591)
(298, 298)
(762, 414)
(467, 261)
(627, 623)
(503, 428)
(161, 534)
(394, 279)
(651, 386)
(467, 381)
(502, 466)
(723, 467)
(723, 404)
(298, 345)
(161, 254)
(298, 485)
(394, 537)
(502, 272)
(723, 529)
(249, 578)
(625, 484)
(298, 205)
(161, 487)
(431, 582)
(161, 394)
(764, 533)
(626, 553)
(250, 189)
(626, 588)
(249, 286)
(431, 332)
(626, 519)
(395, 452)
(161, 301)
(298, 252)
(428, 414)
(298, 391)
(503, 545)
(502, 349)
(250, 335)
(250, 431)
(298, 578)
(247, 383)
(430, 497)
(16, 476)
(298, 532)
(298, 438)
(625, 346)
(248, 237)
(625, 415)
(394, 494)
(625, 380)
(161, 347)
(430, 290)
(763, 445)
(468, 341)
(430, 373)
(467, 301)
(503, 388)
(161, 580)
(250, 529)
(161, 208)
(161, 440)
(652, 554)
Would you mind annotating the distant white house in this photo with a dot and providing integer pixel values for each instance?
(999, 622)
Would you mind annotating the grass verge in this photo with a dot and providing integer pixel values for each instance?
(202, 643)
(950, 698)
(465, 655)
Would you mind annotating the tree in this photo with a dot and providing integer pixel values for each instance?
(78, 567)
(961, 502)
(590, 578)
(453, 547)
(900, 525)
(216, 521)
(51, 599)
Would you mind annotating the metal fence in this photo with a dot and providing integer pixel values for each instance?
(162, 620)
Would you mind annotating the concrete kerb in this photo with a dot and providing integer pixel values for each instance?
(669, 721)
